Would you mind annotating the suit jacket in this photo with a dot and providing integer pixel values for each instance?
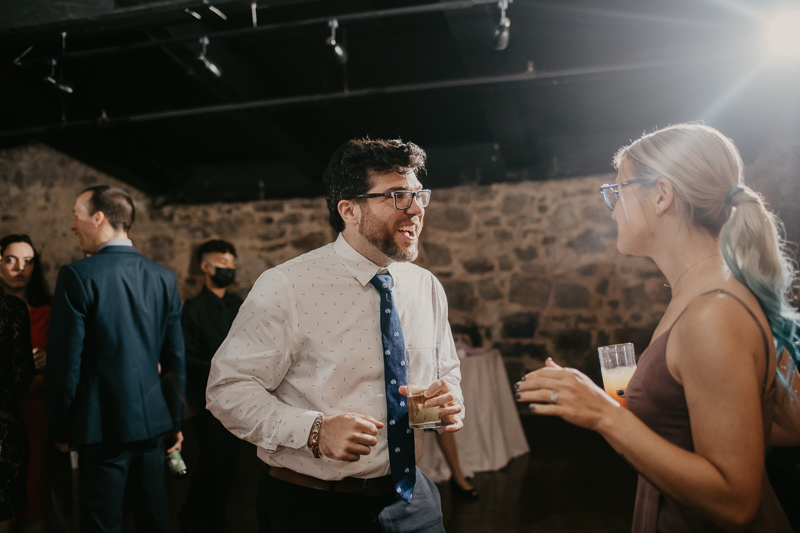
(116, 316)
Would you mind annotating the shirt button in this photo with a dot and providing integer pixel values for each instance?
(407, 470)
(402, 363)
(388, 311)
(408, 431)
(396, 334)
(385, 286)
(397, 450)
(398, 490)
(386, 352)
(402, 404)
(394, 382)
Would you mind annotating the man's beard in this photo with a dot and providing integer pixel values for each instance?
(383, 238)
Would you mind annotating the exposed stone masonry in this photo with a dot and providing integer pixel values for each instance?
(532, 265)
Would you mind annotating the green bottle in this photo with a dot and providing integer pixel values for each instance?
(176, 464)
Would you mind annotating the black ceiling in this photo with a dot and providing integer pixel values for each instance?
(578, 79)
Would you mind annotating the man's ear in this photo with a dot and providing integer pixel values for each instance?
(664, 195)
(98, 218)
(350, 211)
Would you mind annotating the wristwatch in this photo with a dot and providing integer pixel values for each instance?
(313, 438)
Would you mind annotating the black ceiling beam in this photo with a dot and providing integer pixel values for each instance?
(130, 167)
(238, 85)
(33, 16)
(547, 77)
(344, 17)
(500, 111)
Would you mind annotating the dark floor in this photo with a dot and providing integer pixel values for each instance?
(571, 481)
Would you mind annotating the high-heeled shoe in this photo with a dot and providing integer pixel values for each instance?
(458, 489)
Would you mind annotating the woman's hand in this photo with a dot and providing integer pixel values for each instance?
(567, 393)
(39, 358)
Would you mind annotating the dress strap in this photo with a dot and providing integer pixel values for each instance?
(755, 319)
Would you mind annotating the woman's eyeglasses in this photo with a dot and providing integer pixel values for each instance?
(610, 192)
(403, 199)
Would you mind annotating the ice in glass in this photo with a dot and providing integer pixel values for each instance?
(617, 364)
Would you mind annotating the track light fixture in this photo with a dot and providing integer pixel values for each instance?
(501, 31)
(213, 68)
(339, 53)
(254, 14)
(215, 10)
(18, 60)
(61, 85)
(195, 14)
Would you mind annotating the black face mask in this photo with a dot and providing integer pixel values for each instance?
(223, 276)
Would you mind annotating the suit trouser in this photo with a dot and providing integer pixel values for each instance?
(284, 507)
(104, 471)
(210, 485)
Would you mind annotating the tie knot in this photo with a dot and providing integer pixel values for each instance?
(382, 282)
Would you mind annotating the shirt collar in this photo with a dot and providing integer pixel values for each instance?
(359, 266)
(115, 242)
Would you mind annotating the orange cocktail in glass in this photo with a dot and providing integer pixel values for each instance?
(617, 364)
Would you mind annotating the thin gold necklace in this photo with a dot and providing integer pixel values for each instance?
(688, 269)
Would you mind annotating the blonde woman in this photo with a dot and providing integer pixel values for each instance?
(700, 406)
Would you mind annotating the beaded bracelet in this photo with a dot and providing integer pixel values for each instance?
(314, 437)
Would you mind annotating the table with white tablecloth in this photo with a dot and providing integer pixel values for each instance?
(492, 434)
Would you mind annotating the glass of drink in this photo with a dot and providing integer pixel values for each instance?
(617, 364)
(422, 369)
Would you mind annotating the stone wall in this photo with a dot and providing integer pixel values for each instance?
(38, 187)
(531, 266)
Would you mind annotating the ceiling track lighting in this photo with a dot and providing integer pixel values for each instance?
(434, 7)
(59, 84)
(18, 60)
(254, 14)
(501, 33)
(339, 52)
(213, 68)
(215, 10)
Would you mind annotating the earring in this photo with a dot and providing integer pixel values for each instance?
(658, 211)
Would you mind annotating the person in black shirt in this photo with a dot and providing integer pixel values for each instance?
(206, 320)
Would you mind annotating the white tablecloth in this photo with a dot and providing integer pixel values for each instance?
(492, 433)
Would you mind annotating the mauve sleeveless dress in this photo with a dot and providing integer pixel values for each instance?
(658, 400)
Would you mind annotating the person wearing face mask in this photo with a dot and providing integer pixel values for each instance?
(206, 320)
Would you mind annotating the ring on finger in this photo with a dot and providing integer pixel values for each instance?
(554, 396)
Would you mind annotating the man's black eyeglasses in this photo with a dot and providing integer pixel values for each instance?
(403, 199)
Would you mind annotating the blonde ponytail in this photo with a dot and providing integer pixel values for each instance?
(752, 245)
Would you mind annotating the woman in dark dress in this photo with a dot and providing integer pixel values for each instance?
(701, 403)
(21, 276)
(16, 371)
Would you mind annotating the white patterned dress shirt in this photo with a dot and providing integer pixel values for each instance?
(307, 340)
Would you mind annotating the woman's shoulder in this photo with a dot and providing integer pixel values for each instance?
(720, 325)
(723, 306)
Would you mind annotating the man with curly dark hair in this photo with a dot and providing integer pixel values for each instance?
(312, 371)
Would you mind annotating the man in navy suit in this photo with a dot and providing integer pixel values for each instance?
(115, 368)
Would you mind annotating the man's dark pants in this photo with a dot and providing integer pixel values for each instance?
(104, 471)
(204, 510)
(284, 507)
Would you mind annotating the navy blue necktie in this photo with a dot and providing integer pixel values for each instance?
(401, 438)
